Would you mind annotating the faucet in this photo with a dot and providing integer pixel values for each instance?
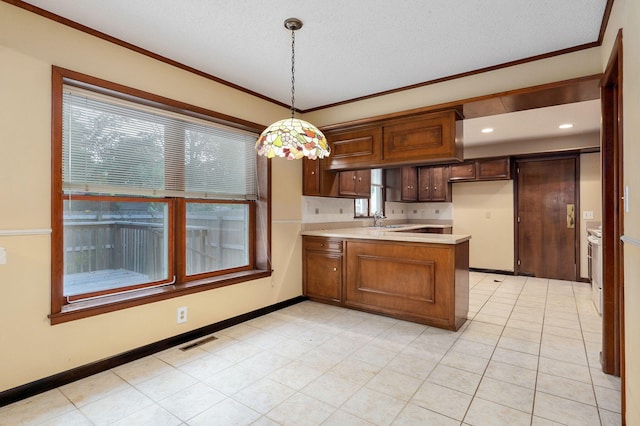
(377, 217)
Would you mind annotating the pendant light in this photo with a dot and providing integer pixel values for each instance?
(292, 138)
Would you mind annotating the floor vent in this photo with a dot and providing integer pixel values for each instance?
(198, 343)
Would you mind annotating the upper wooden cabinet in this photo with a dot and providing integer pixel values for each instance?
(429, 183)
(413, 140)
(482, 169)
(463, 171)
(434, 184)
(318, 181)
(497, 168)
(353, 148)
(355, 183)
(423, 139)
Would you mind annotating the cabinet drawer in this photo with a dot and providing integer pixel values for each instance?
(498, 168)
(464, 171)
(322, 244)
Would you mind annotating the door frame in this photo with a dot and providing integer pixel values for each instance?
(613, 344)
(516, 192)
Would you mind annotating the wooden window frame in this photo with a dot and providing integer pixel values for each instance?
(259, 215)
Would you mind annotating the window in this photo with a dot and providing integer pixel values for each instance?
(366, 207)
(150, 197)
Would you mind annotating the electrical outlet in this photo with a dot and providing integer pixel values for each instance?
(587, 214)
(317, 210)
(182, 315)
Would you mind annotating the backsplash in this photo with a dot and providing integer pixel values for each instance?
(326, 209)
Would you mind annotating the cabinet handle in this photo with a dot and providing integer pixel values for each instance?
(335, 269)
(321, 244)
(354, 177)
(359, 179)
(426, 188)
(435, 188)
(313, 172)
(470, 169)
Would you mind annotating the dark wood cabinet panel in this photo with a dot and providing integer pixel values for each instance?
(322, 269)
(409, 184)
(356, 183)
(463, 171)
(310, 177)
(422, 139)
(411, 140)
(421, 282)
(498, 168)
(430, 282)
(354, 148)
(318, 181)
(481, 169)
(430, 183)
(434, 184)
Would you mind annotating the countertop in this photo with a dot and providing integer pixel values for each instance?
(391, 233)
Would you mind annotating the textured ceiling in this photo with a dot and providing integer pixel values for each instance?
(346, 49)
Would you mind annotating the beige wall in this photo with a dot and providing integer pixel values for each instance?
(31, 347)
(485, 210)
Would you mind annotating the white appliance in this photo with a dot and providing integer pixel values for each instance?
(595, 250)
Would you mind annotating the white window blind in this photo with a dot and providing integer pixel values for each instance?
(114, 146)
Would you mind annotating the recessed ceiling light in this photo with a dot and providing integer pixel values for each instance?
(565, 126)
(487, 130)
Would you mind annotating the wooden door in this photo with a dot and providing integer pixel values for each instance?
(546, 209)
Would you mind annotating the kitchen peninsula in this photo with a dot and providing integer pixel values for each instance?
(393, 270)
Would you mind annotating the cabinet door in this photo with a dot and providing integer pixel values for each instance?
(424, 183)
(316, 180)
(409, 191)
(434, 184)
(355, 183)
(462, 172)
(323, 275)
(363, 183)
(354, 148)
(310, 177)
(498, 168)
(427, 137)
(440, 189)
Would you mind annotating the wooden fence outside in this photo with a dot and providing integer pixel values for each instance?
(212, 244)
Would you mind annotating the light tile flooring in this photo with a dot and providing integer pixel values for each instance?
(527, 356)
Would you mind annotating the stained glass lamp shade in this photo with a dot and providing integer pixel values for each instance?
(292, 138)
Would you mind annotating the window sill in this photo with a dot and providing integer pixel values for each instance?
(88, 308)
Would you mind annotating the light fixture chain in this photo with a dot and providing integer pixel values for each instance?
(293, 71)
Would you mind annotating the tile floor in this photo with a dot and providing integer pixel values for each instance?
(527, 356)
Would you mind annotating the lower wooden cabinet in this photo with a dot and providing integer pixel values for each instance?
(322, 269)
(421, 282)
(425, 283)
